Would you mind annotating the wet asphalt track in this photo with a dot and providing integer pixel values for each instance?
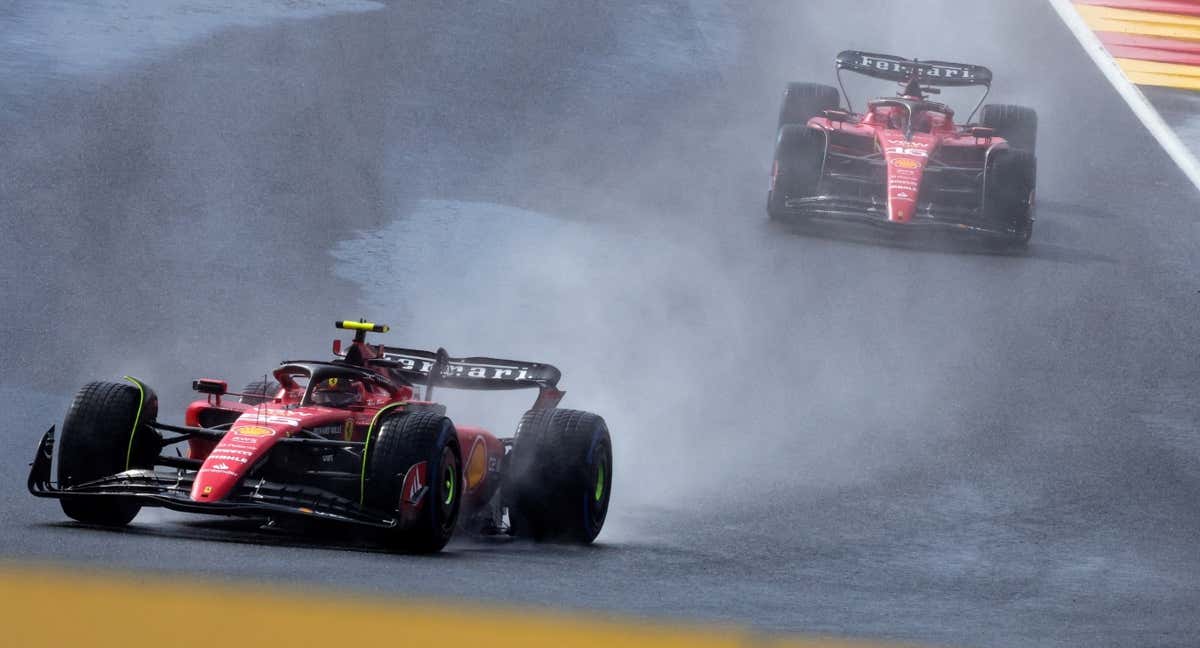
(827, 435)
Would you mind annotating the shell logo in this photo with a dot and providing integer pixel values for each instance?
(476, 464)
(253, 431)
(905, 163)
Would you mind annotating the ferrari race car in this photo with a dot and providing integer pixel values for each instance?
(346, 441)
(904, 163)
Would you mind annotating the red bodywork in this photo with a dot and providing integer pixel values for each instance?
(903, 164)
(907, 153)
(258, 428)
(344, 441)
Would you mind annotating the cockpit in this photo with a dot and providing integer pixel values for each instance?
(896, 114)
(333, 385)
(337, 392)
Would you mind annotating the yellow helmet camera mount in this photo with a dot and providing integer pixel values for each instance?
(361, 328)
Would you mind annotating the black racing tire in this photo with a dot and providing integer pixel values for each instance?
(799, 156)
(803, 101)
(105, 433)
(1017, 124)
(559, 477)
(402, 442)
(1009, 191)
(259, 391)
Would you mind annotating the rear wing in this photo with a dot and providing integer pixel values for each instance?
(437, 368)
(931, 73)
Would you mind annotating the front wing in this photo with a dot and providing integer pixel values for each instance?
(172, 490)
(873, 212)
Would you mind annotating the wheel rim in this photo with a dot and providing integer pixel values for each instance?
(448, 482)
(597, 506)
(599, 483)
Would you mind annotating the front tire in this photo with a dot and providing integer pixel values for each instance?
(796, 170)
(803, 101)
(1009, 192)
(105, 433)
(559, 478)
(259, 392)
(414, 470)
(1016, 124)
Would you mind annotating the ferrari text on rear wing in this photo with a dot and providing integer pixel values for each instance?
(930, 73)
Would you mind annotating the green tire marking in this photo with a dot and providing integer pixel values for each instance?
(449, 477)
(137, 420)
(600, 483)
(362, 475)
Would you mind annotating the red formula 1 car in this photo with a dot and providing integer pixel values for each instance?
(346, 441)
(904, 163)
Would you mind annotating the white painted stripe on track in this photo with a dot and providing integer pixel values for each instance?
(1137, 101)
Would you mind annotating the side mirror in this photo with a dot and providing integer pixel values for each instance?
(983, 132)
(210, 386)
(837, 115)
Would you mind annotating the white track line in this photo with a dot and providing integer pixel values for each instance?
(1137, 101)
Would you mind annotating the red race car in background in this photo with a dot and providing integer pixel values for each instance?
(904, 163)
(347, 441)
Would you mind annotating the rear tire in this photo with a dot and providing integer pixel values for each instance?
(1017, 124)
(405, 446)
(259, 392)
(803, 101)
(1009, 192)
(99, 439)
(559, 478)
(799, 156)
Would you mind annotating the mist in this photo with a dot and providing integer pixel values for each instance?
(720, 353)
